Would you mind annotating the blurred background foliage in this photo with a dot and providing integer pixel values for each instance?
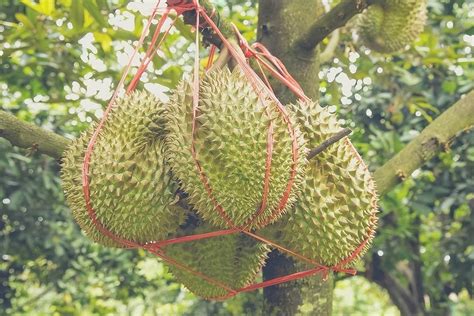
(59, 61)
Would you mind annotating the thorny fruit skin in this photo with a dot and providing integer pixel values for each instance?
(391, 25)
(131, 189)
(234, 260)
(231, 147)
(336, 211)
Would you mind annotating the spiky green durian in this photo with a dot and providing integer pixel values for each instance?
(391, 25)
(231, 146)
(336, 211)
(234, 260)
(131, 189)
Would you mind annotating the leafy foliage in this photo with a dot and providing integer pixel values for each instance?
(425, 221)
(59, 61)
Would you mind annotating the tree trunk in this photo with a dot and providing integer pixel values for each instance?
(281, 22)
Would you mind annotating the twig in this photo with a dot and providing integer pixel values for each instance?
(328, 142)
(221, 61)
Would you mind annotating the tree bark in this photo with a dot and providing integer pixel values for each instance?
(435, 137)
(334, 19)
(280, 24)
(30, 136)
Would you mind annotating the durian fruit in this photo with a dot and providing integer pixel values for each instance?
(131, 189)
(234, 260)
(231, 148)
(336, 211)
(390, 25)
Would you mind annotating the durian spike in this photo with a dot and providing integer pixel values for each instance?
(233, 125)
(225, 58)
(131, 190)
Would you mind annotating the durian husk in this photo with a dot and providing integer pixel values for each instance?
(131, 189)
(391, 25)
(233, 260)
(336, 210)
(231, 147)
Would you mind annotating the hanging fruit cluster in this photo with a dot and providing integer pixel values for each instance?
(215, 178)
(143, 162)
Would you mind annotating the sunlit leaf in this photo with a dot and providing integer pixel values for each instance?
(94, 11)
(77, 14)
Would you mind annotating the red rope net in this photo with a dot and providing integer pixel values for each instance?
(265, 61)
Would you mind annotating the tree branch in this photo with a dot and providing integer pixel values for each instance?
(399, 295)
(334, 19)
(434, 138)
(30, 136)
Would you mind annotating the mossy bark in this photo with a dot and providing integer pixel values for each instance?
(434, 138)
(30, 136)
(280, 24)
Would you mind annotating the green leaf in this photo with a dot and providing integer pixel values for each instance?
(184, 29)
(33, 5)
(77, 14)
(449, 86)
(47, 6)
(24, 19)
(103, 5)
(104, 39)
(94, 11)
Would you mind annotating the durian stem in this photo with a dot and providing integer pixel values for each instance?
(209, 36)
(327, 143)
(221, 61)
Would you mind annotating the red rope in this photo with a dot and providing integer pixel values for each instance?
(179, 240)
(264, 60)
(210, 59)
(186, 268)
(152, 49)
(264, 92)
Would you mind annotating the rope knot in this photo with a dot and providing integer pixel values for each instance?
(244, 45)
(350, 271)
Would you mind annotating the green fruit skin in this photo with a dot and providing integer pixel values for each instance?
(234, 260)
(390, 26)
(231, 147)
(131, 190)
(336, 211)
